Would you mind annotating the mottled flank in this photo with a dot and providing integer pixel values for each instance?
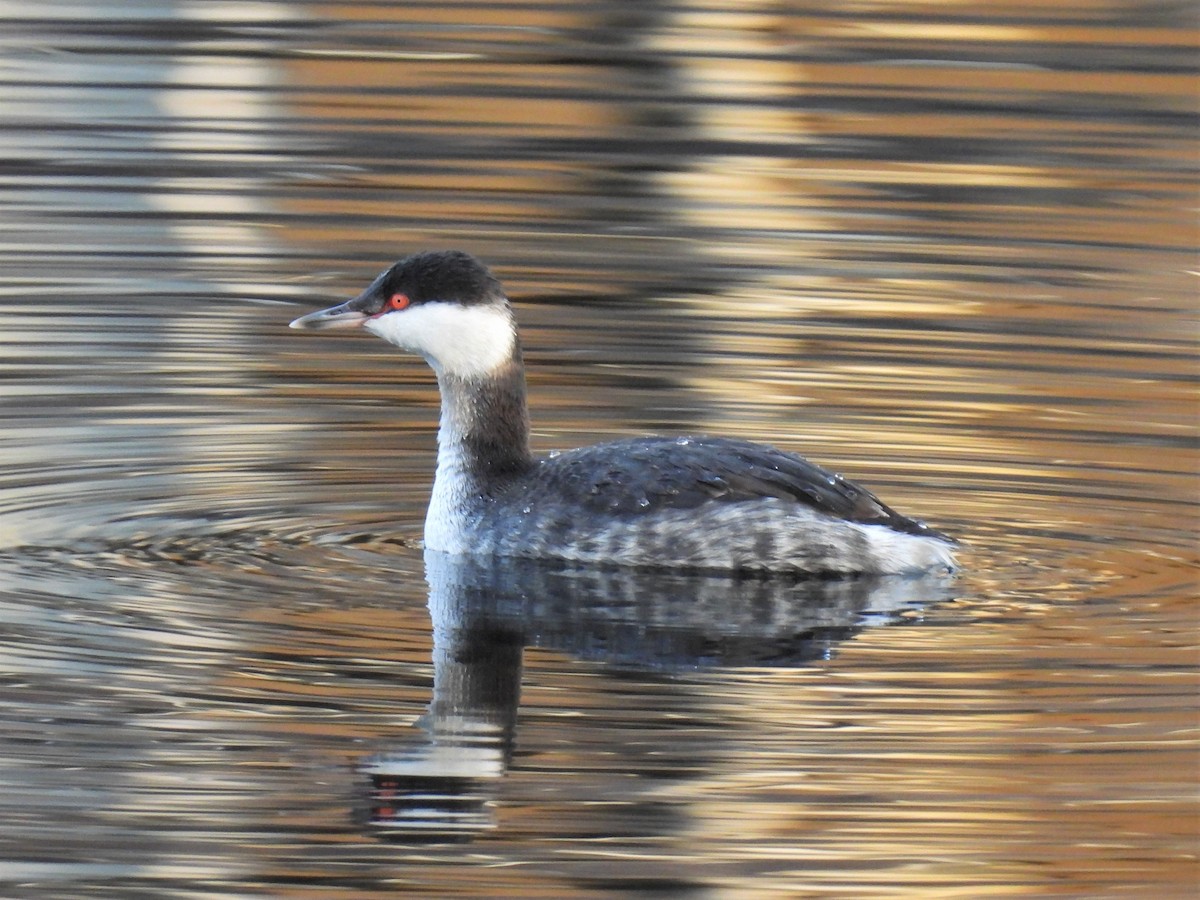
(756, 536)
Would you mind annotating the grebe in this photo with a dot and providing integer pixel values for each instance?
(696, 503)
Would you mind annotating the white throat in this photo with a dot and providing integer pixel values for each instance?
(461, 341)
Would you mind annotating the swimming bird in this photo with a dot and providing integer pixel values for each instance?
(695, 503)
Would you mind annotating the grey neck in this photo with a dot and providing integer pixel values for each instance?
(484, 431)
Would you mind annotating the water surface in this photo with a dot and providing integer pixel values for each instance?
(947, 255)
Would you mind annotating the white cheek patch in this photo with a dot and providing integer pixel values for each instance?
(464, 341)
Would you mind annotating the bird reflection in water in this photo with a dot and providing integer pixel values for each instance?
(485, 611)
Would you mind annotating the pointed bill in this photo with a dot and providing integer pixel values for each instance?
(341, 316)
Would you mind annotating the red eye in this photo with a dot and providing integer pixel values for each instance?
(398, 301)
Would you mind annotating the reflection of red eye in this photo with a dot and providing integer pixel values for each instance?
(398, 301)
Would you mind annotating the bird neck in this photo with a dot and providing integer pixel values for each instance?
(484, 432)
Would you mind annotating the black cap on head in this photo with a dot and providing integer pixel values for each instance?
(448, 275)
